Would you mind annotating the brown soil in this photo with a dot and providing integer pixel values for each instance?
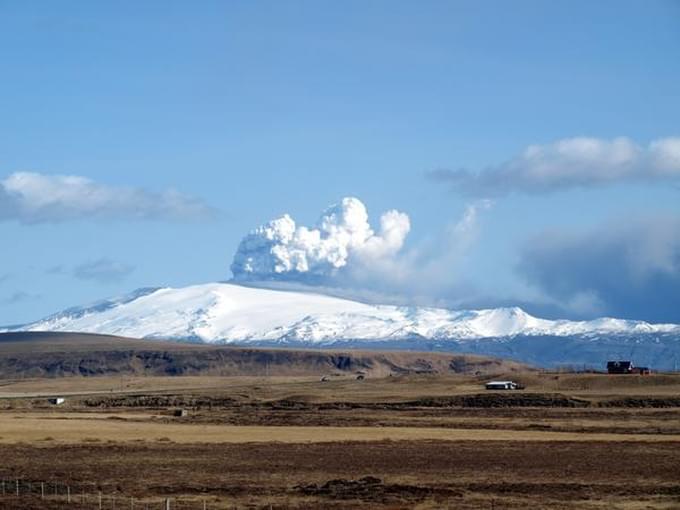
(402, 474)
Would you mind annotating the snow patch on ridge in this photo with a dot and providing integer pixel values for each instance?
(231, 313)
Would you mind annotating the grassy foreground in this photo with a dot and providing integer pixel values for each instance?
(413, 441)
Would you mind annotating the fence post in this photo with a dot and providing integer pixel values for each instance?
(132, 503)
(68, 494)
(100, 500)
(42, 490)
(17, 486)
(3, 486)
(167, 503)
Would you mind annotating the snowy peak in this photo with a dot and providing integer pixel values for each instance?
(231, 313)
(502, 322)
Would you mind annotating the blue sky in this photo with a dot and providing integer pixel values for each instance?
(248, 110)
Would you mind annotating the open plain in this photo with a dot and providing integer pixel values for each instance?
(336, 436)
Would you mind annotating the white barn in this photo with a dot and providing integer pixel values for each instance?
(501, 385)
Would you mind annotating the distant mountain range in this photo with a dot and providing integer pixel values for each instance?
(244, 315)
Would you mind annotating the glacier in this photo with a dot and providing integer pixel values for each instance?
(230, 313)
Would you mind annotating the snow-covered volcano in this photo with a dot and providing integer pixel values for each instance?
(230, 313)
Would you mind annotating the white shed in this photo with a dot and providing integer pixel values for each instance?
(56, 400)
(501, 385)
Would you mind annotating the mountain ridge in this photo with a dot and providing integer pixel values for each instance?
(228, 313)
(50, 354)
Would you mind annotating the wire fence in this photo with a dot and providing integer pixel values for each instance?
(22, 493)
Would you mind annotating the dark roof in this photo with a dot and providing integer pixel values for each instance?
(623, 364)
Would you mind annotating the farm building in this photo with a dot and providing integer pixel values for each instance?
(502, 385)
(626, 367)
(56, 400)
(620, 367)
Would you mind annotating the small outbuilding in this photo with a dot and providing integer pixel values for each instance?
(55, 401)
(502, 385)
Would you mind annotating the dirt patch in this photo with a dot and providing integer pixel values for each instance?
(159, 401)
(371, 489)
(503, 400)
(655, 402)
(483, 400)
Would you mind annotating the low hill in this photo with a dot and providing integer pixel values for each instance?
(47, 354)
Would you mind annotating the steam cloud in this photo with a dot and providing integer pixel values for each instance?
(342, 239)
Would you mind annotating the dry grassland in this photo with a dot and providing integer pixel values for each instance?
(39, 427)
(419, 441)
(345, 386)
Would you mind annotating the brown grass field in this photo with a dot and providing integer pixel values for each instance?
(403, 440)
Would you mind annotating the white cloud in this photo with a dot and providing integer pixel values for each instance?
(666, 155)
(570, 163)
(282, 250)
(37, 198)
